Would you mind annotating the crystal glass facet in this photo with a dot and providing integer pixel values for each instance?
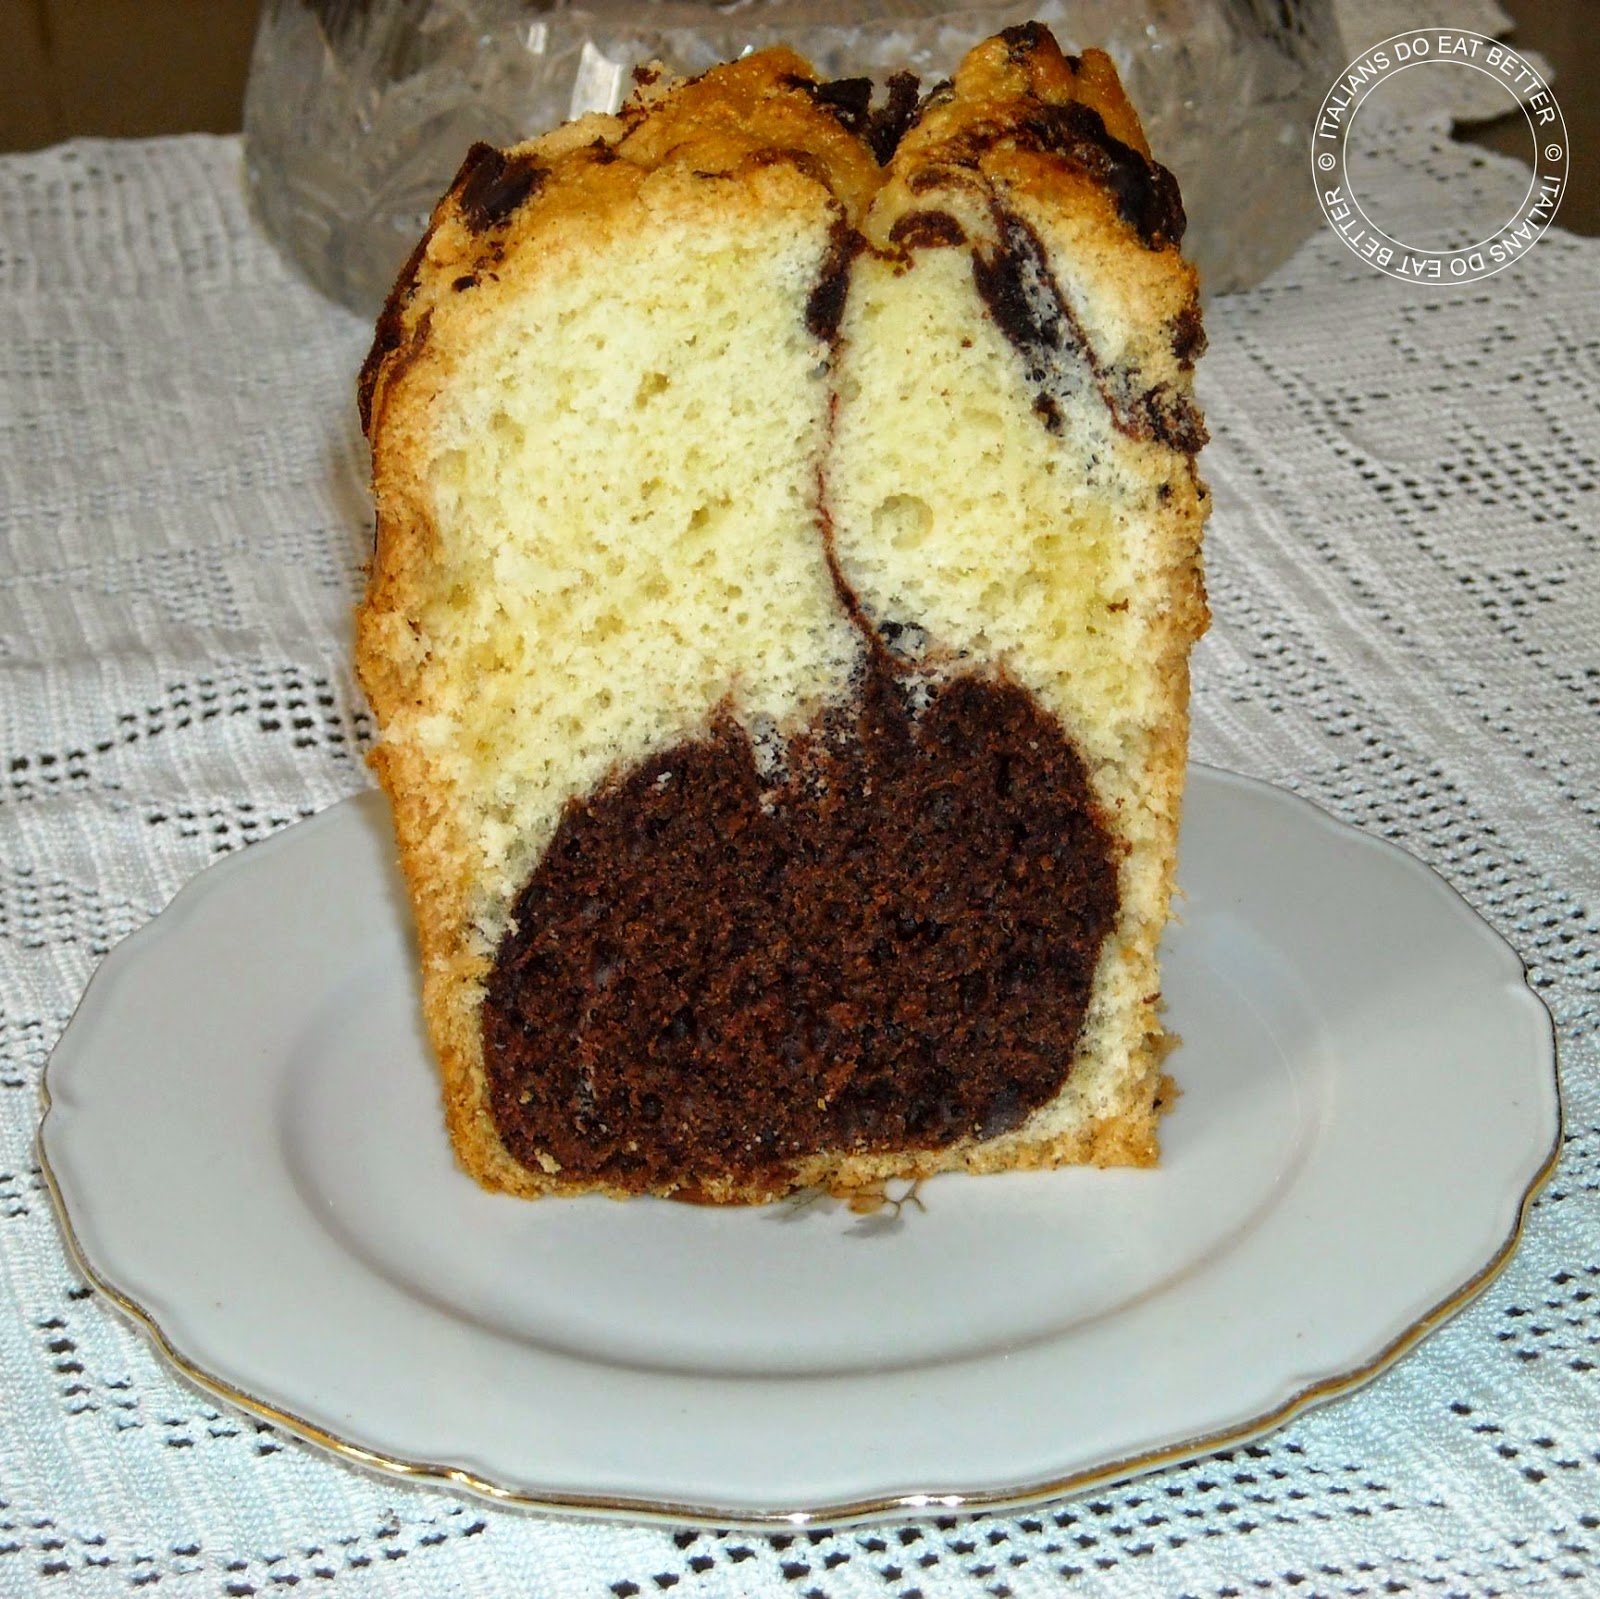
(358, 112)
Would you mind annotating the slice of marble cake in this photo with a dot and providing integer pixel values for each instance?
(787, 564)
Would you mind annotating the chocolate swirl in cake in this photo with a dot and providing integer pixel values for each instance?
(825, 304)
(850, 100)
(1013, 275)
(902, 927)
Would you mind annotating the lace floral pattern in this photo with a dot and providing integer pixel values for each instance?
(1405, 577)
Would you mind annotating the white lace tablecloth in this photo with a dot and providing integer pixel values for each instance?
(1405, 572)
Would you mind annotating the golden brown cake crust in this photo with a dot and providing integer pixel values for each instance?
(747, 113)
(757, 127)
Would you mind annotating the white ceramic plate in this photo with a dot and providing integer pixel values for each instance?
(245, 1141)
